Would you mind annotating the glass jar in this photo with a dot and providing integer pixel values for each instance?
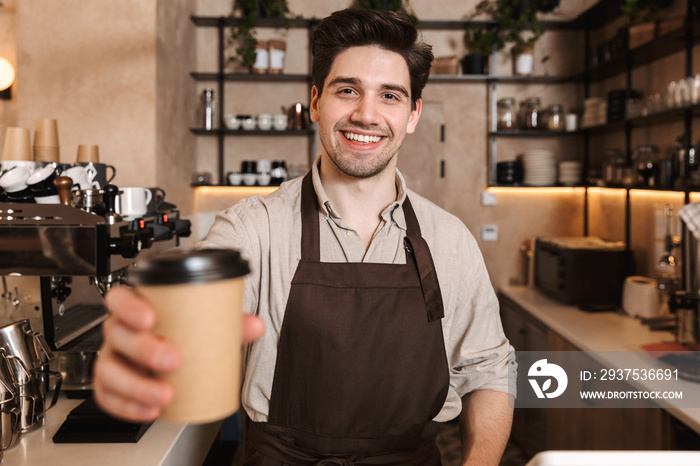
(531, 113)
(506, 117)
(555, 118)
(646, 159)
(613, 167)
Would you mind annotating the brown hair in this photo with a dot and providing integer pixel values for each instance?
(389, 30)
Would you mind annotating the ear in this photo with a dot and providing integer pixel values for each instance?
(313, 108)
(414, 117)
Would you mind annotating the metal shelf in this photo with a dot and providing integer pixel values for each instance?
(661, 47)
(252, 132)
(250, 77)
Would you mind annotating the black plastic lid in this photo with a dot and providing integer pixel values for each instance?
(188, 266)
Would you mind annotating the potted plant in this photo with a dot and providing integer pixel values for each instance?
(641, 16)
(480, 42)
(516, 24)
(244, 34)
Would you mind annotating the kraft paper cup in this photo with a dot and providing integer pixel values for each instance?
(17, 144)
(88, 153)
(46, 132)
(47, 154)
(198, 300)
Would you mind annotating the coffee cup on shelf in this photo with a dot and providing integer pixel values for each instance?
(235, 178)
(132, 202)
(17, 145)
(46, 147)
(88, 153)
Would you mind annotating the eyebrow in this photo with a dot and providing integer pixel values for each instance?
(355, 81)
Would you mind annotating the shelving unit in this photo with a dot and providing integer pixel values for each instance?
(596, 17)
(221, 77)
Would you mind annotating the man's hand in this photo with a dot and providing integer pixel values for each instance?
(125, 384)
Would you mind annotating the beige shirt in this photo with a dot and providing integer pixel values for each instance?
(268, 233)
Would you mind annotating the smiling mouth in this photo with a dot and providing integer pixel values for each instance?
(361, 138)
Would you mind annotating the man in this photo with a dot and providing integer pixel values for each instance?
(379, 318)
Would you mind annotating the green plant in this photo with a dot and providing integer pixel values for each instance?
(641, 11)
(481, 41)
(244, 34)
(516, 23)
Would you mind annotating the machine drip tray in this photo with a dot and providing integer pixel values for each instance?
(87, 423)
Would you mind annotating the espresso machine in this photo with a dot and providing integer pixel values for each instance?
(74, 256)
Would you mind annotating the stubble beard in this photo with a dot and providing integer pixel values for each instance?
(356, 165)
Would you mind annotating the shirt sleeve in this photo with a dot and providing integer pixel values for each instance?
(232, 229)
(479, 354)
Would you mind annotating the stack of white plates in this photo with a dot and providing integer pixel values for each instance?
(570, 173)
(540, 168)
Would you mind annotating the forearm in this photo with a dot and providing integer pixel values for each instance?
(485, 423)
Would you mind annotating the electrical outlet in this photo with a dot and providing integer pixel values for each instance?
(489, 233)
(488, 198)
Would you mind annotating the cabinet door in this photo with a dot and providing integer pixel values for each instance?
(421, 155)
(605, 428)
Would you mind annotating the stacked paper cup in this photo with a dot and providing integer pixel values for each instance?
(46, 148)
(540, 168)
(570, 173)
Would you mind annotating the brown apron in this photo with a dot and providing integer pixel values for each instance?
(361, 368)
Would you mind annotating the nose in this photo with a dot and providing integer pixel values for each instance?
(366, 112)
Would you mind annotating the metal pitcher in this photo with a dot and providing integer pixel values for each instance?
(9, 406)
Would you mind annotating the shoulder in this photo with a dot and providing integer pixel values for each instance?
(253, 218)
(435, 221)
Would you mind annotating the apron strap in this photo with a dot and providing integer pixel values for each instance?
(310, 240)
(417, 250)
(420, 252)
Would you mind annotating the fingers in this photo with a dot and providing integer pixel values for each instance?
(253, 328)
(142, 348)
(127, 306)
(127, 393)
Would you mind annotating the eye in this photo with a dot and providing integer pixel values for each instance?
(346, 91)
(394, 97)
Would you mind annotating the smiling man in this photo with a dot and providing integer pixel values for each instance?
(380, 319)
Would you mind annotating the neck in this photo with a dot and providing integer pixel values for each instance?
(359, 201)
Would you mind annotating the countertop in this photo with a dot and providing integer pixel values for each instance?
(607, 333)
(163, 443)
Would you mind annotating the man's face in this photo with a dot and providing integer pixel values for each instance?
(365, 111)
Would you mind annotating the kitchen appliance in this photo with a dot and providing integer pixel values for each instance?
(686, 301)
(70, 257)
(77, 256)
(584, 271)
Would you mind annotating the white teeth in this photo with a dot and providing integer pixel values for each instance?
(362, 138)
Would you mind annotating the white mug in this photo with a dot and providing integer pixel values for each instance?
(133, 202)
(15, 179)
(79, 175)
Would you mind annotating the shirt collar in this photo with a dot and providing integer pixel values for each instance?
(392, 212)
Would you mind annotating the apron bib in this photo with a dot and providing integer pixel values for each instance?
(361, 369)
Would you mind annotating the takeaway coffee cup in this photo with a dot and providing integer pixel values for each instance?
(17, 145)
(88, 153)
(198, 300)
